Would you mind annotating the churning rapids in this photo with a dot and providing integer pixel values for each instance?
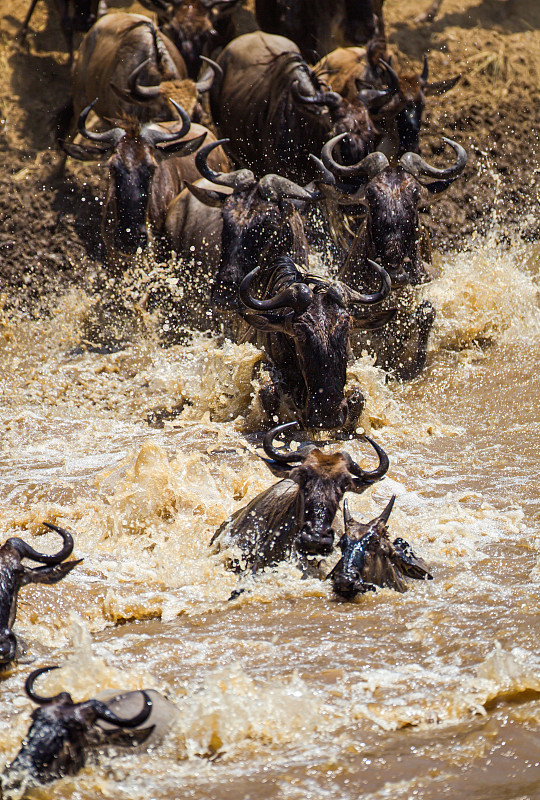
(285, 692)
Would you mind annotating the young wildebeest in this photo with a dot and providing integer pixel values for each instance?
(370, 559)
(304, 323)
(60, 735)
(276, 111)
(294, 517)
(133, 154)
(391, 235)
(14, 575)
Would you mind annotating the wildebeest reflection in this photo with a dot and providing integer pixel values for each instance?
(60, 735)
(14, 575)
(294, 517)
(370, 559)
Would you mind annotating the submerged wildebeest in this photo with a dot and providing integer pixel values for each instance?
(276, 110)
(62, 732)
(14, 575)
(304, 323)
(134, 198)
(75, 15)
(190, 25)
(369, 559)
(318, 26)
(391, 235)
(293, 518)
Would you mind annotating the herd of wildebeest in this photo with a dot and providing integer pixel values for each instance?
(320, 152)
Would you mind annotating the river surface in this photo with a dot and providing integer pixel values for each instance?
(285, 692)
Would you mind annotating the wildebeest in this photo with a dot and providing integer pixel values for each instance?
(259, 222)
(276, 111)
(294, 517)
(318, 26)
(133, 69)
(75, 15)
(390, 235)
(14, 575)
(133, 152)
(60, 735)
(190, 25)
(303, 323)
(370, 559)
(399, 120)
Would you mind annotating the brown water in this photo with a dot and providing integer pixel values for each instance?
(284, 692)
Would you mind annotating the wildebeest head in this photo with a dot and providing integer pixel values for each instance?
(370, 559)
(259, 222)
(308, 322)
(391, 196)
(132, 153)
(187, 92)
(409, 102)
(61, 733)
(14, 575)
(322, 480)
(190, 25)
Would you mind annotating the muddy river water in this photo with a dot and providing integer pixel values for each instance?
(285, 692)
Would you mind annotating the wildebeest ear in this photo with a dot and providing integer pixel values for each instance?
(210, 197)
(49, 574)
(369, 322)
(440, 87)
(83, 152)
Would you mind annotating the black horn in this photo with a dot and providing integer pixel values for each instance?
(364, 477)
(155, 136)
(204, 84)
(377, 297)
(416, 166)
(105, 713)
(110, 137)
(330, 99)
(298, 296)
(29, 687)
(278, 455)
(370, 165)
(26, 551)
(237, 180)
(138, 92)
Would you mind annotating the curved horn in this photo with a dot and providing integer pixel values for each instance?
(105, 713)
(298, 296)
(143, 94)
(364, 477)
(275, 187)
(277, 455)
(209, 76)
(110, 137)
(156, 136)
(237, 180)
(416, 166)
(376, 99)
(26, 551)
(330, 99)
(370, 165)
(377, 297)
(425, 72)
(29, 687)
